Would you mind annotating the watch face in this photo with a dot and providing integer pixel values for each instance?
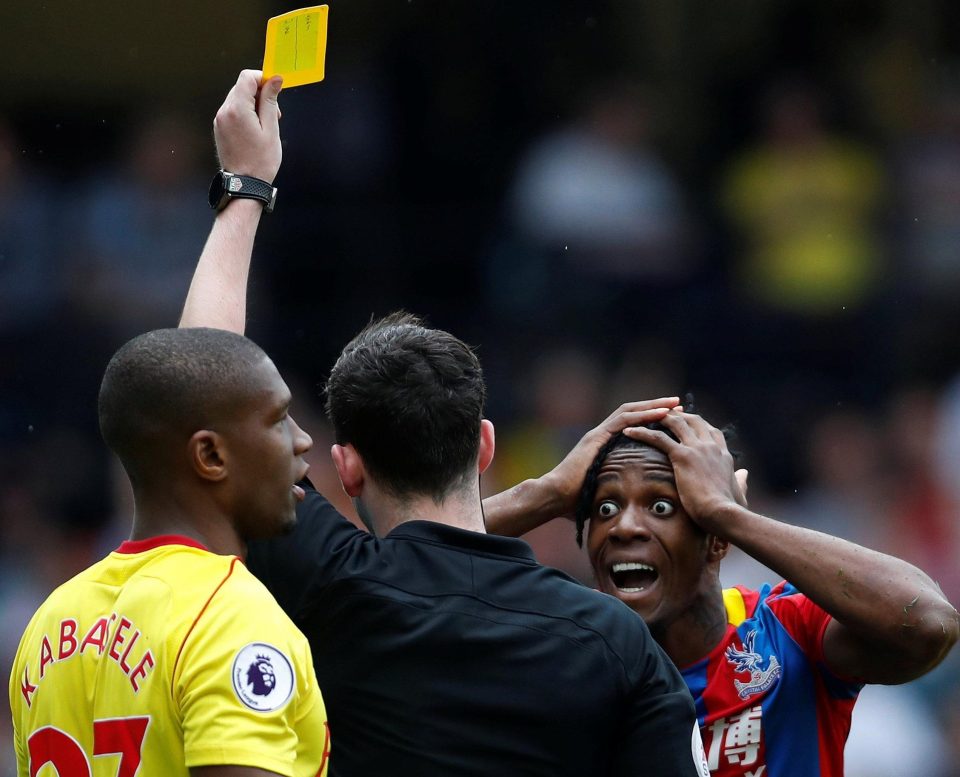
(216, 194)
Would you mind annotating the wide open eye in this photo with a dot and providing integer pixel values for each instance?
(662, 508)
(607, 509)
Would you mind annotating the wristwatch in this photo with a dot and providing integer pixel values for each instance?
(226, 186)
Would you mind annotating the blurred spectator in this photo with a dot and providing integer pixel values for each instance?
(31, 282)
(805, 205)
(139, 228)
(595, 219)
(928, 235)
(928, 202)
(597, 188)
(808, 323)
(845, 491)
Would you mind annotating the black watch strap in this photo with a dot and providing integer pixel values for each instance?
(227, 186)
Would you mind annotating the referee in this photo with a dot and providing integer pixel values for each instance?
(440, 650)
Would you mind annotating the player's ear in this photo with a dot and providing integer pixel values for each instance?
(487, 440)
(349, 467)
(207, 454)
(716, 548)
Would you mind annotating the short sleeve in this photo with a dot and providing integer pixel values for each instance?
(245, 686)
(804, 621)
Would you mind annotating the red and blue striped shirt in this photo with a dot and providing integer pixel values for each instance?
(767, 704)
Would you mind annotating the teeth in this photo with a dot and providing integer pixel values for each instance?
(631, 566)
(631, 590)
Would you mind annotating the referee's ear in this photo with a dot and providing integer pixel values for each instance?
(487, 444)
(349, 467)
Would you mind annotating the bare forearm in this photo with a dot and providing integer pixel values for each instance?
(519, 509)
(534, 502)
(218, 292)
(881, 602)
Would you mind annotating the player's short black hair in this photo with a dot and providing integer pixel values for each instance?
(166, 384)
(410, 400)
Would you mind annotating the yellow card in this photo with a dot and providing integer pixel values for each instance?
(297, 46)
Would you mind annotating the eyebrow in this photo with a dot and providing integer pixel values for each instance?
(664, 478)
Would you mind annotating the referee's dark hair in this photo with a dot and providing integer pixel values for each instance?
(162, 386)
(410, 400)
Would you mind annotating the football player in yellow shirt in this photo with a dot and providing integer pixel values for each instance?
(168, 657)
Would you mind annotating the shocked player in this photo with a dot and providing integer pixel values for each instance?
(775, 672)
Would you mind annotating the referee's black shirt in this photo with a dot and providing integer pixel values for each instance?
(441, 651)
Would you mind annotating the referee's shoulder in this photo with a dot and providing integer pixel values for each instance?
(595, 608)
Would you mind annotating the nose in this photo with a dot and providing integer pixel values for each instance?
(302, 442)
(629, 525)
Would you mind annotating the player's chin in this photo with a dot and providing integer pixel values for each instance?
(278, 522)
(288, 521)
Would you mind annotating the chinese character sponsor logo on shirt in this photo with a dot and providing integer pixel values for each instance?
(737, 740)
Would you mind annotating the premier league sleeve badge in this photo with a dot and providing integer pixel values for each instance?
(263, 677)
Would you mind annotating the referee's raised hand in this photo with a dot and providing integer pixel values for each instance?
(247, 127)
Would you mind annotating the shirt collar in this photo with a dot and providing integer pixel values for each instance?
(463, 539)
(141, 546)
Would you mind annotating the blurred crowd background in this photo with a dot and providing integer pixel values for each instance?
(755, 202)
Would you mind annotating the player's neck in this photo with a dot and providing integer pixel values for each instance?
(697, 630)
(186, 516)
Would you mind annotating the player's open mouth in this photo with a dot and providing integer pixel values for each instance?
(631, 577)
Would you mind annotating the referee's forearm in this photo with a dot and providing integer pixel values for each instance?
(218, 292)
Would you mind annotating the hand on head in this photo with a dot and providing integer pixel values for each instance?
(702, 465)
(247, 127)
(567, 477)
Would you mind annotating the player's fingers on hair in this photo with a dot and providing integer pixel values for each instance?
(639, 417)
(718, 435)
(699, 426)
(654, 437)
(643, 404)
(677, 423)
(625, 415)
